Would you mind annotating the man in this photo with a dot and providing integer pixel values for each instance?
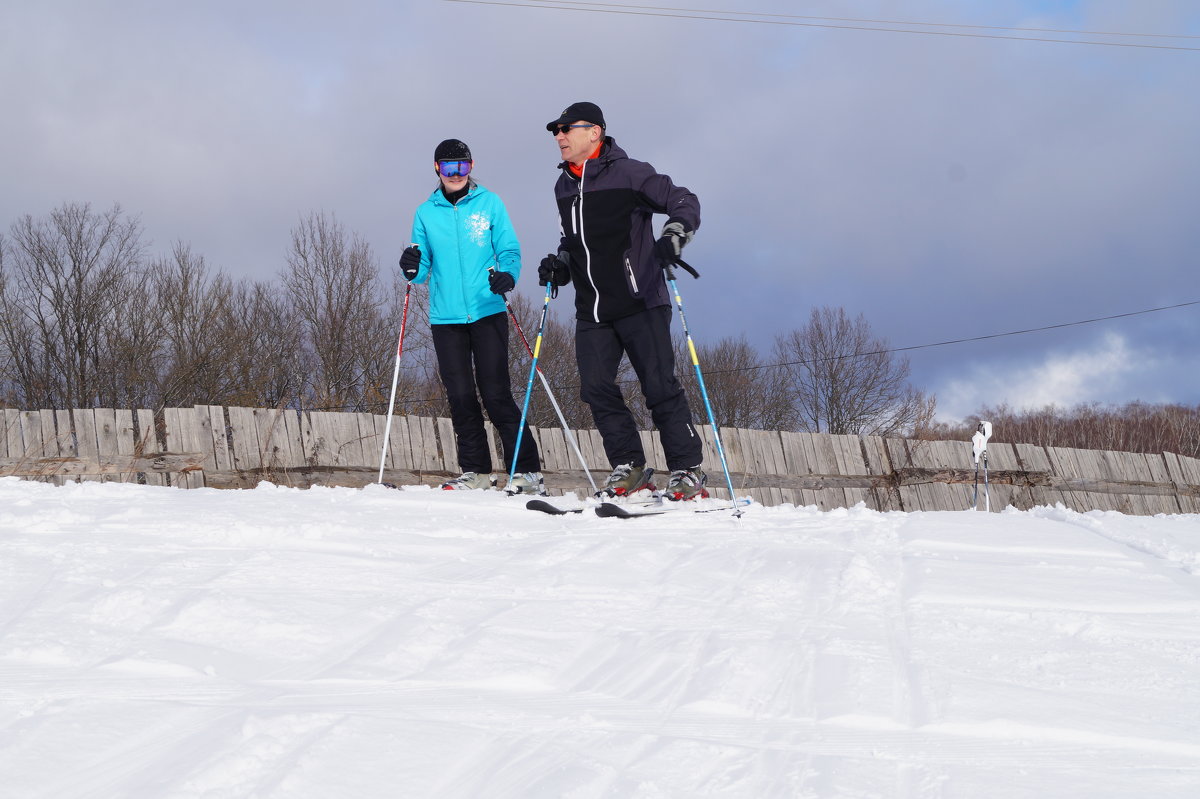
(606, 201)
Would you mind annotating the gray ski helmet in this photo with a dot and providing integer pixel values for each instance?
(452, 150)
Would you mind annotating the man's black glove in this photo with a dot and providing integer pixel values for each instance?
(410, 262)
(670, 244)
(501, 282)
(555, 270)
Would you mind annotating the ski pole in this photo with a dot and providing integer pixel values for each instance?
(537, 349)
(387, 431)
(979, 448)
(987, 495)
(546, 385)
(700, 379)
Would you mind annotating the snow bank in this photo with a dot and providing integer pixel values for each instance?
(379, 643)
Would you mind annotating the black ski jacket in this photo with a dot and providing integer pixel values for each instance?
(606, 229)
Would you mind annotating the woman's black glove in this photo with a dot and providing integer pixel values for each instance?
(501, 282)
(410, 262)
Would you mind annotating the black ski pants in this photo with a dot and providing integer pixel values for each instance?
(646, 338)
(471, 357)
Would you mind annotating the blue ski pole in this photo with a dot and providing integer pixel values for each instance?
(550, 394)
(700, 379)
(537, 349)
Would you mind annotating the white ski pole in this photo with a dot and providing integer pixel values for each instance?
(987, 495)
(979, 447)
(387, 431)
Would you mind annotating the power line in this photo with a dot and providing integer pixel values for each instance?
(650, 11)
(960, 340)
(910, 348)
(878, 21)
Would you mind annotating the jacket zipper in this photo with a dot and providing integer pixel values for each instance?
(587, 252)
(462, 283)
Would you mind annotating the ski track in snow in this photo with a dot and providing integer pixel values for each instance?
(369, 643)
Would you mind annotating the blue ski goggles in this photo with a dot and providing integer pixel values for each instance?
(454, 169)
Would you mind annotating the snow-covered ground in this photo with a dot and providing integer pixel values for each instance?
(335, 643)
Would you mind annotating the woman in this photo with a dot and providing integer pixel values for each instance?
(464, 244)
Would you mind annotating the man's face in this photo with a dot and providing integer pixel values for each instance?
(577, 141)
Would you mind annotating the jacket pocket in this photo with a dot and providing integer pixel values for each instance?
(630, 277)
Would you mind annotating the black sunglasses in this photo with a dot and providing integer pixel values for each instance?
(565, 129)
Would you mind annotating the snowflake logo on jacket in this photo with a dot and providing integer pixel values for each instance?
(478, 226)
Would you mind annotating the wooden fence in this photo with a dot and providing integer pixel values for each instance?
(238, 447)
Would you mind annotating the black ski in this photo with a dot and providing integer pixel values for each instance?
(553, 510)
(556, 510)
(631, 510)
(615, 511)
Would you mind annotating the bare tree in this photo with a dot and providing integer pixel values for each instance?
(1133, 427)
(743, 391)
(128, 369)
(262, 355)
(194, 309)
(69, 277)
(844, 381)
(417, 388)
(332, 284)
(556, 360)
(9, 385)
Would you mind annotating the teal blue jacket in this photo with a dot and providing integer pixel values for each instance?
(458, 243)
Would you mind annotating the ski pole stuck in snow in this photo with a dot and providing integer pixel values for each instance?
(979, 446)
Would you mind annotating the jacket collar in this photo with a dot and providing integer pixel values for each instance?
(473, 188)
(609, 152)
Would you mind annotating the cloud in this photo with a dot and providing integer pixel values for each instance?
(942, 187)
(1095, 373)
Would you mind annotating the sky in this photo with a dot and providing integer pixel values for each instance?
(334, 642)
(944, 186)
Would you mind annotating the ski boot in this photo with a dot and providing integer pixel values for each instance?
(526, 483)
(470, 480)
(627, 479)
(687, 484)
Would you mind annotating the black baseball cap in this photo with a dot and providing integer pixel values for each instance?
(588, 112)
(452, 150)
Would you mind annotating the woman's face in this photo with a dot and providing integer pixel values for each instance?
(453, 184)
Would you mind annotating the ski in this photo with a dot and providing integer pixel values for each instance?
(614, 511)
(546, 507)
(632, 510)
(557, 510)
